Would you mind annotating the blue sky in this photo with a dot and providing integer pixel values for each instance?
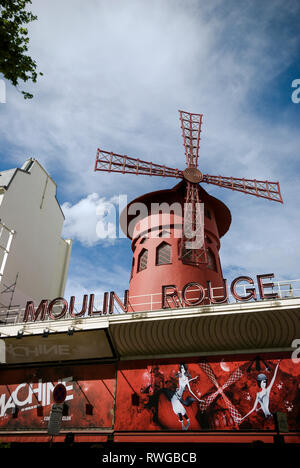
(115, 75)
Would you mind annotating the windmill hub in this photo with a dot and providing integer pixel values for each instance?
(192, 174)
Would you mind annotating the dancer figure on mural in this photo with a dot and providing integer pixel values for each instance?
(177, 400)
(263, 397)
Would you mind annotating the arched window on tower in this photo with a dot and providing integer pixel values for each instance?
(143, 260)
(187, 255)
(211, 260)
(163, 254)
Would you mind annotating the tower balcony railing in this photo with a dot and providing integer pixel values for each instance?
(286, 289)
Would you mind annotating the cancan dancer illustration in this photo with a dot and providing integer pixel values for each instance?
(177, 401)
(263, 397)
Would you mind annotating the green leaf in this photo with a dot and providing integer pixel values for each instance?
(15, 65)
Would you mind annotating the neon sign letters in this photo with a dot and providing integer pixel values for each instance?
(171, 296)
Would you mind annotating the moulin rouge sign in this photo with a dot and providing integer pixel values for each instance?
(171, 297)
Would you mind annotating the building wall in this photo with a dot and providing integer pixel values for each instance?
(38, 253)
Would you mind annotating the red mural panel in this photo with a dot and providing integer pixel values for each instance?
(26, 397)
(208, 394)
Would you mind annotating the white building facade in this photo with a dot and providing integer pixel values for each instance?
(34, 259)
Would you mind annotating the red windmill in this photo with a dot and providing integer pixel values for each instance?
(194, 256)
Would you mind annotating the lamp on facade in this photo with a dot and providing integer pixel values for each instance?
(20, 334)
(71, 329)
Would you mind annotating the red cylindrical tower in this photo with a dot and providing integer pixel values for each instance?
(154, 224)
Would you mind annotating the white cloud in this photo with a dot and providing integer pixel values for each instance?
(91, 219)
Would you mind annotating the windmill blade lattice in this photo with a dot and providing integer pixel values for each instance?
(112, 162)
(235, 376)
(192, 249)
(191, 129)
(258, 188)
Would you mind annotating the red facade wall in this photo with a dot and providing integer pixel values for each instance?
(149, 394)
(29, 389)
(157, 395)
